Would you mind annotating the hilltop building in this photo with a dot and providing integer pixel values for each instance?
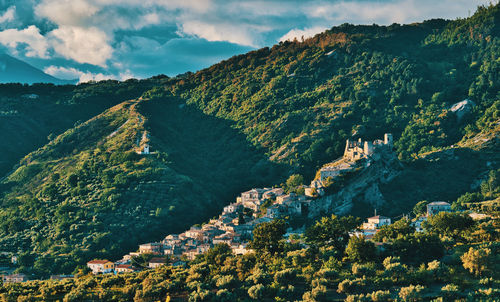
(359, 149)
(438, 206)
(376, 222)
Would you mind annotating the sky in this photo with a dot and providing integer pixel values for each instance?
(121, 39)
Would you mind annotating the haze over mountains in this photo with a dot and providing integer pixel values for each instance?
(13, 70)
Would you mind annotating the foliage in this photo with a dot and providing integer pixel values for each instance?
(267, 237)
(478, 261)
(360, 250)
(390, 232)
(332, 231)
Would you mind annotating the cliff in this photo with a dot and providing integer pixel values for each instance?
(361, 186)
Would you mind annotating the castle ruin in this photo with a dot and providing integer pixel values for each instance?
(359, 149)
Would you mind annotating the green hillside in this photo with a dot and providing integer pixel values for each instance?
(249, 121)
(29, 114)
(76, 197)
(301, 100)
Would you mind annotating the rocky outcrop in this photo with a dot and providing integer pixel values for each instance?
(462, 108)
(364, 186)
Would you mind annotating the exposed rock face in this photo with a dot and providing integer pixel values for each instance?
(363, 186)
(462, 108)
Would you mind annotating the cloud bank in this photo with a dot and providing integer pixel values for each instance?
(99, 39)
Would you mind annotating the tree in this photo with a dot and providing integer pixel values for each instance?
(360, 250)
(477, 261)
(417, 247)
(332, 231)
(410, 293)
(420, 208)
(267, 237)
(451, 224)
(293, 182)
(399, 228)
(218, 254)
(73, 180)
(256, 291)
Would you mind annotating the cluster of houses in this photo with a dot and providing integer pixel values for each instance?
(234, 227)
(373, 224)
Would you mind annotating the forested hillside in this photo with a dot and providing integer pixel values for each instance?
(30, 116)
(249, 121)
(301, 100)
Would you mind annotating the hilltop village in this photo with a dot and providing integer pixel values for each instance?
(235, 224)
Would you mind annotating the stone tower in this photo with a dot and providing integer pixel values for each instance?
(368, 148)
(388, 140)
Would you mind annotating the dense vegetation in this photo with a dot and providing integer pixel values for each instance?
(455, 258)
(31, 116)
(71, 200)
(301, 100)
(76, 197)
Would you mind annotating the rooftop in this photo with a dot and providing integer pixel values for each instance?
(158, 260)
(378, 217)
(439, 203)
(97, 261)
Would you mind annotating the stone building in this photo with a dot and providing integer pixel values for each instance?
(359, 149)
(438, 206)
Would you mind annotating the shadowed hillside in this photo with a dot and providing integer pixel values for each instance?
(73, 199)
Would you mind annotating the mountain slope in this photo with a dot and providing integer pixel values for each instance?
(250, 121)
(13, 70)
(73, 199)
(301, 100)
(29, 114)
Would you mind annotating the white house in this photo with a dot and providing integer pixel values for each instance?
(233, 208)
(101, 266)
(438, 206)
(157, 262)
(376, 222)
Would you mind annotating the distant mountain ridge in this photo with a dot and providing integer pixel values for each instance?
(13, 70)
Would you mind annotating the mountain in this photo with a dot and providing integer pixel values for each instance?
(249, 121)
(13, 70)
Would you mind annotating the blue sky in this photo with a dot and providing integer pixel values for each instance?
(120, 39)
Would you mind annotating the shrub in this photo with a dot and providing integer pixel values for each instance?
(410, 293)
(380, 295)
(477, 261)
(226, 282)
(350, 286)
(256, 291)
(285, 276)
(363, 269)
(450, 291)
(358, 298)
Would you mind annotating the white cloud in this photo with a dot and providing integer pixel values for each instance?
(242, 35)
(404, 11)
(88, 76)
(8, 15)
(36, 44)
(67, 12)
(63, 72)
(299, 33)
(84, 45)
(70, 73)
